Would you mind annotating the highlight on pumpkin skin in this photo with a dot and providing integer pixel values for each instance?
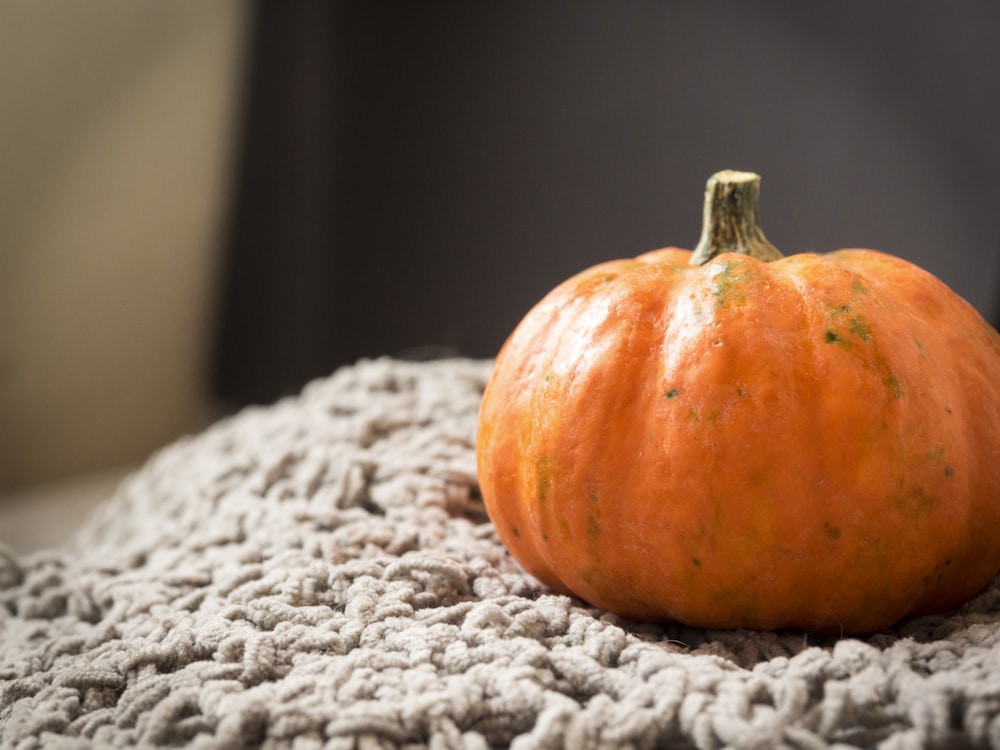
(808, 443)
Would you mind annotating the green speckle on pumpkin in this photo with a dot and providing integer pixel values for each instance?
(543, 465)
(727, 281)
(833, 532)
(696, 562)
(672, 393)
(514, 530)
(831, 337)
(593, 527)
(921, 501)
(938, 573)
(836, 310)
(948, 471)
(594, 514)
(895, 386)
(860, 328)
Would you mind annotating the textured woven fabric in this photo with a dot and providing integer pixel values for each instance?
(320, 573)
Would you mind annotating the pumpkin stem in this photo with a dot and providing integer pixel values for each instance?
(730, 221)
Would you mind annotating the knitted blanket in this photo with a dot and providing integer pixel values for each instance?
(320, 573)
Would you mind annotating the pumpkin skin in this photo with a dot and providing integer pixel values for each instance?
(812, 442)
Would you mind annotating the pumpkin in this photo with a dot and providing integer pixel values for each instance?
(735, 438)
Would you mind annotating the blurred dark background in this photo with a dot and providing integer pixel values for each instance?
(414, 176)
(205, 205)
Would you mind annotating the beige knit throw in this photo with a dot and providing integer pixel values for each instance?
(320, 573)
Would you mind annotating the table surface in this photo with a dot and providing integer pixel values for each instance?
(43, 516)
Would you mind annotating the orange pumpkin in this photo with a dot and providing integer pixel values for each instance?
(739, 439)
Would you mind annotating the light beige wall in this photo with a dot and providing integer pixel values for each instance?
(116, 138)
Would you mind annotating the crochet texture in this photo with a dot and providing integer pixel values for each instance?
(320, 573)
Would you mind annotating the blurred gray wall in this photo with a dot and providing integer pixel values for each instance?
(418, 174)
